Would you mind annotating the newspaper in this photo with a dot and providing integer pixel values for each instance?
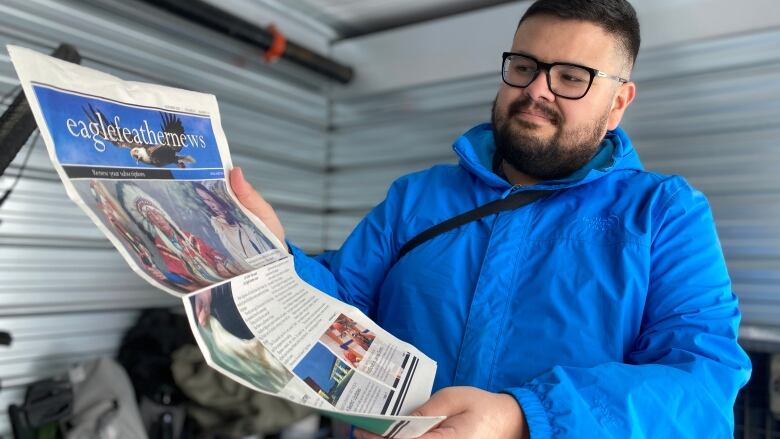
(148, 165)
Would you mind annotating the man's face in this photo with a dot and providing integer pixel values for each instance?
(212, 204)
(548, 137)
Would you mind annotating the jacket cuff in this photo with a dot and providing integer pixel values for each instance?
(302, 261)
(295, 251)
(313, 272)
(535, 414)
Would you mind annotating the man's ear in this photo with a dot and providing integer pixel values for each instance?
(620, 103)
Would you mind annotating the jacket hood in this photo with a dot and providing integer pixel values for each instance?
(476, 147)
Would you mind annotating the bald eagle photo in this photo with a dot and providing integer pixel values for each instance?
(154, 153)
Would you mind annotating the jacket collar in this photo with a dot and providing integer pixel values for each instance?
(476, 147)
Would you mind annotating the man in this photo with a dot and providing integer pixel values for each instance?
(603, 309)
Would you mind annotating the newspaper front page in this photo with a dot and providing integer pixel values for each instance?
(148, 165)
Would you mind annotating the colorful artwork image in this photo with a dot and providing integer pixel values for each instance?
(348, 340)
(185, 235)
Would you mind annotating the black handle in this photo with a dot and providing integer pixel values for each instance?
(17, 122)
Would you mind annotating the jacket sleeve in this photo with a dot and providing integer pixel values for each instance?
(355, 272)
(682, 376)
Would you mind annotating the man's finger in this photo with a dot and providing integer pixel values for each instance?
(256, 204)
(456, 426)
(247, 195)
(440, 433)
(445, 402)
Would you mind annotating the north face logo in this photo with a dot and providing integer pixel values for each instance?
(601, 223)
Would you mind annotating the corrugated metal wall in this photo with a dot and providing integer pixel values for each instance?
(706, 110)
(709, 111)
(65, 295)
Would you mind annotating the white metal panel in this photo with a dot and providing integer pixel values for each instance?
(357, 17)
(708, 111)
(379, 108)
(361, 188)
(403, 141)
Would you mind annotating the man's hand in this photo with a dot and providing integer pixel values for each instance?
(471, 414)
(252, 200)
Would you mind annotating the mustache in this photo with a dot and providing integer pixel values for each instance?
(526, 104)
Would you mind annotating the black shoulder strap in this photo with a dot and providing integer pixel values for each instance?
(511, 202)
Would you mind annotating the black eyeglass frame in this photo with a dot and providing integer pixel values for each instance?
(547, 66)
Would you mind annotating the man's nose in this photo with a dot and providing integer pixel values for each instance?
(538, 89)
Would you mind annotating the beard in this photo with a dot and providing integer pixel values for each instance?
(553, 159)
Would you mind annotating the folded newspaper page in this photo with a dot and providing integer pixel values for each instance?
(148, 165)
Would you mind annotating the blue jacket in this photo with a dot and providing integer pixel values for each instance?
(605, 309)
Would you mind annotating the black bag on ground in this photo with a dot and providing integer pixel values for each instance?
(146, 353)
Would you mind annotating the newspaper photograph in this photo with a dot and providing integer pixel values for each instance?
(148, 164)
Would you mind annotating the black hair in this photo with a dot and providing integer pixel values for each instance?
(616, 17)
(226, 209)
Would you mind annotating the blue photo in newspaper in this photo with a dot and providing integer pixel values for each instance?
(99, 138)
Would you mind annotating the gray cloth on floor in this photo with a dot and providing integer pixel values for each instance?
(104, 405)
(226, 407)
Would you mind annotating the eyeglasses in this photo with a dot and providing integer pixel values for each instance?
(569, 81)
